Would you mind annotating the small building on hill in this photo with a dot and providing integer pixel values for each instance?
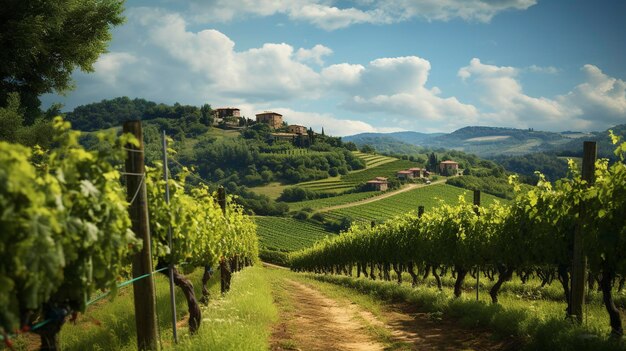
(404, 175)
(231, 116)
(296, 129)
(378, 185)
(448, 167)
(273, 119)
(417, 172)
(382, 179)
(284, 136)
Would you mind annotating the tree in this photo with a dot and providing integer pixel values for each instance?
(44, 41)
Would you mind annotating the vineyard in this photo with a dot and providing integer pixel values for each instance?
(373, 160)
(352, 179)
(530, 237)
(288, 234)
(332, 201)
(70, 232)
(384, 209)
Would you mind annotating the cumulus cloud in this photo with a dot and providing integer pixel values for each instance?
(331, 124)
(396, 88)
(327, 15)
(314, 54)
(599, 101)
(110, 65)
(540, 69)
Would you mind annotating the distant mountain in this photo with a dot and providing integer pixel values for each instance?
(487, 141)
(414, 138)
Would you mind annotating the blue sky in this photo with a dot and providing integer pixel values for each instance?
(374, 65)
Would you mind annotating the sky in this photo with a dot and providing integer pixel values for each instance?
(373, 65)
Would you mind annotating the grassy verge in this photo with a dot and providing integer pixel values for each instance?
(239, 320)
(538, 325)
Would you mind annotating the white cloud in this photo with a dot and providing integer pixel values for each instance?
(326, 15)
(599, 101)
(546, 70)
(110, 65)
(600, 98)
(396, 88)
(332, 125)
(314, 54)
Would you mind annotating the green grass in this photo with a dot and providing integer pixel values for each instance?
(287, 234)
(534, 325)
(428, 196)
(271, 190)
(239, 320)
(332, 201)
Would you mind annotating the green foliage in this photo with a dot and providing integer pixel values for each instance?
(288, 234)
(64, 222)
(551, 166)
(496, 186)
(429, 196)
(43, 43)
(201, 232)
(13, 130)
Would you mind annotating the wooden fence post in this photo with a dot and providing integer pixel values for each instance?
(476, 206)
(224, 264)
(143, 290)
(579, 262)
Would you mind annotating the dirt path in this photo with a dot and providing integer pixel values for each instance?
(309, 320)
(379, 197)
(312, 321)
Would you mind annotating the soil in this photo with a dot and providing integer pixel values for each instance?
(310, 320)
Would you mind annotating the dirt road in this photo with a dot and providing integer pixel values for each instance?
(310, 320)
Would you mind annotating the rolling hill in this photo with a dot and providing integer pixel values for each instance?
(479, 140)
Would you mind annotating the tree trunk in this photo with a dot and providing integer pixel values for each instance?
(437, 278)
(505, 274)
(208, 273)
(458, 284)
(410, 269)
(372, 271)
(564, 279)
(426, 272)
(49, 333)
(358, 270)
(398, 269)
(185, 285)
(606, 283)
(387, 268)
(224, 276)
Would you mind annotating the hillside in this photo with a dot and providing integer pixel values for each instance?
(479, 140)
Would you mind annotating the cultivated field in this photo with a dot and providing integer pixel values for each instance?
(287, 234)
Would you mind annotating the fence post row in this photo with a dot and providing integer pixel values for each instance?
(579, 261)
(476, 210)
(143, 290)
(169, 240)
(224, 264)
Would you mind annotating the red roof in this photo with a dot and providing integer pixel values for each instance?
(415, 169)
(380, 178)
(449, 162)
(404, 172)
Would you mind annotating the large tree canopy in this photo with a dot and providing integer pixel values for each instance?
(42, 42)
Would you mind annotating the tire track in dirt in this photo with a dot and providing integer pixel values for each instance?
(316, 322)
(309, 320)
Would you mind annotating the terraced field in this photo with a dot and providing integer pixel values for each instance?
(428, 196)
(287, 234)
(373, 160)
(332, 201)
(352, 179)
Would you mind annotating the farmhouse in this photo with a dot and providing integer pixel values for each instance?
(296, 129)
(404, 175)
(228, 115)
(417, 172)
(284, 136)
(273, 119)
(448, 167)
(379, 185)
